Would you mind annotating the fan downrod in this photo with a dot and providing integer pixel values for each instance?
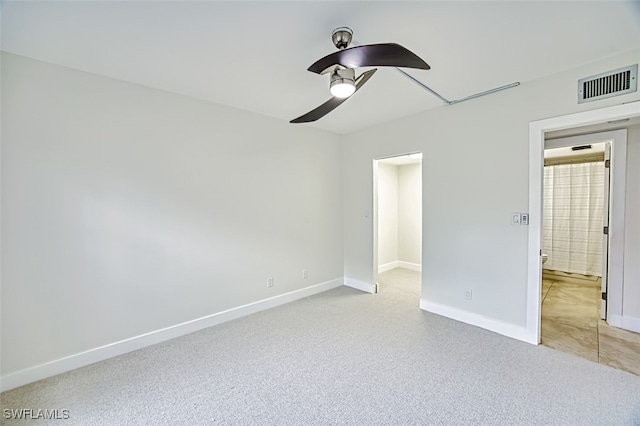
(341, 37)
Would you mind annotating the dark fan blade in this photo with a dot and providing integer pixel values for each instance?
(332, 103)
(372, 55)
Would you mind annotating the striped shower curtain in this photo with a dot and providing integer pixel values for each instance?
(573, 217)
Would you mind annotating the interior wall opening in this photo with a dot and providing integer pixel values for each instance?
(575, 207)
(584, 281)
(398, 220)
(575, 213)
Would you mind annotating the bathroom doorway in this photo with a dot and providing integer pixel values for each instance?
(582, 238)
(625, 117)
(575, 214)
(397, 219)
(575, 210)
(584, 187)
(622, 324)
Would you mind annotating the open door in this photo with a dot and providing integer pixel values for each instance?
(605, 230)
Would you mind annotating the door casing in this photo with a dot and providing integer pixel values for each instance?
(537, 130)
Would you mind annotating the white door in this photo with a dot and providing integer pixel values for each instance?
(605, 233)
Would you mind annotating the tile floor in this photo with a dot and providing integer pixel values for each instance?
(571, 323)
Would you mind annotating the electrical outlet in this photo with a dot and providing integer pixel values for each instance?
(468, 294)
(270, 282)
(524, 219)
(305, 274)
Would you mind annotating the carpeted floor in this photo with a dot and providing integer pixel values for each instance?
(341, 357)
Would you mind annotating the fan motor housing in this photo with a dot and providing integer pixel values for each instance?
(344, 74)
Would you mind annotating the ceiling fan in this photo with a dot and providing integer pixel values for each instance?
(341, 68)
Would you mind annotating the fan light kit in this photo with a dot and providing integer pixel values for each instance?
(341, 68)
(342, 84)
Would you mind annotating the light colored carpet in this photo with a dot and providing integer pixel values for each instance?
(341, 357)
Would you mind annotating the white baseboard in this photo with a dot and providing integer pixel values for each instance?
(409, 265)
(52, 368)
(500, 327)
(399, 264)
(387, 266)
(627, 323)
(360, 285)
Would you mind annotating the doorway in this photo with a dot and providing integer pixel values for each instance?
(574, 242)
(577, 181)
(602, 119)
(579, 315)
(397, 217)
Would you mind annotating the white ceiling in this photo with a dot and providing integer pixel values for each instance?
(254, 55)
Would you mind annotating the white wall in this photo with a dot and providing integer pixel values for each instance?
(126, 210)
(478, 156)
(410, 214)
(387, 214)
(631, 289)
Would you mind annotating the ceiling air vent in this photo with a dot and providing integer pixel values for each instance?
(608, 84)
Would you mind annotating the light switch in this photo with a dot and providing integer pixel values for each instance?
(524, 219)
(515, 218)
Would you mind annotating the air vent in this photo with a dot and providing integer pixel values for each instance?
(608, 84)
(580, 148)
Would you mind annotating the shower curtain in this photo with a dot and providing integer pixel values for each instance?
(573, 217)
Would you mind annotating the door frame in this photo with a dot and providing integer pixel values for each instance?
(537, 130)
(614, 210)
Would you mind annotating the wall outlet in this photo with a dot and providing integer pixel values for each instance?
(305, 274)
(270, 282)
(468, 294)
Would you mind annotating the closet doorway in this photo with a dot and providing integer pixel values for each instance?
(397, 217)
